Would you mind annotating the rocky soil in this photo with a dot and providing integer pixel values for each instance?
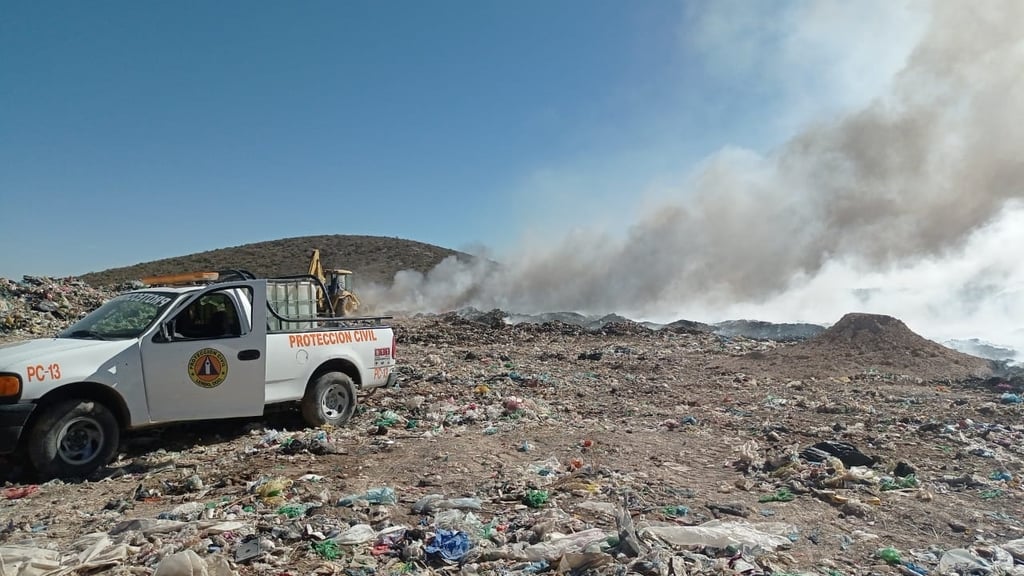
(555, 448)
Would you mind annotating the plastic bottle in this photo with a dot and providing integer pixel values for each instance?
(890, 555)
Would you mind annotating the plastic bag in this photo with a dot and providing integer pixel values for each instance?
(451, 546)
(381, 495)
(431, 503)
(545, 472)
(559, 544)
(272, 493)
(1016, 548)
(750, 539)
(187, 512)
(449, 519)
(358, 534)
(27, 560)
(459, 521)
(188, 563)
(961, 561)
(89, 552)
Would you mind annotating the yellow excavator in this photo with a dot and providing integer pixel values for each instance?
(339, 288)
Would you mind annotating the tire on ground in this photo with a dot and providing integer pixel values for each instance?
(330, 399)
(72, 439)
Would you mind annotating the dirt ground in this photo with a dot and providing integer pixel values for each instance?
(679, 428)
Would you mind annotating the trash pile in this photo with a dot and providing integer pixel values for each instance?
(552, 448)
(40, 306)
(545, 515)
(279, 521)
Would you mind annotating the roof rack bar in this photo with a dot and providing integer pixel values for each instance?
(183, 278)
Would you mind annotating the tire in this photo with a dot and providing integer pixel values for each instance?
(73, 439)
(330, 399)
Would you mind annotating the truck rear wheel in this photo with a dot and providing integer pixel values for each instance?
(72, 439)
(331, 399)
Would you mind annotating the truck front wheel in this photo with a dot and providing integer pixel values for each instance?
(331, 399)
(72, 439)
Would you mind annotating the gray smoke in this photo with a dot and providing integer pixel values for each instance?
(908, 178)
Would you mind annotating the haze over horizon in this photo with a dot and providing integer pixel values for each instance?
(662, 160)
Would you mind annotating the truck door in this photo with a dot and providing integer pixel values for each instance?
(208, 359)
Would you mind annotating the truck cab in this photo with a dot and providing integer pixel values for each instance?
(179, 353)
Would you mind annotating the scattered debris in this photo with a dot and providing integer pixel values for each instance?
(589, 448)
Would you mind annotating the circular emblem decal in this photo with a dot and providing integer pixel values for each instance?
(208, 368)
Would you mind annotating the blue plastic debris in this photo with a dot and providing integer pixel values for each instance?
(450, 545)
(537, 567)
(1011, 398)
(915, 568)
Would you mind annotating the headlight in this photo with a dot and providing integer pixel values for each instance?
(10, 386)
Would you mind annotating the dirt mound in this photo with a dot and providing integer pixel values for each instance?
(869, 344)
(871, 329)
(683, 326)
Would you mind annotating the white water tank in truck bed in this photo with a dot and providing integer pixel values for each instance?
(292, 299)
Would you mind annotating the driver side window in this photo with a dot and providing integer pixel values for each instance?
(213, 315)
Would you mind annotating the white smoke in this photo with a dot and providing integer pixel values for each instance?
(905, 206)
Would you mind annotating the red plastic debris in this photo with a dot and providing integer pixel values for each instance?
(18, 492)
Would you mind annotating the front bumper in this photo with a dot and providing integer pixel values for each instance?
(12, 421)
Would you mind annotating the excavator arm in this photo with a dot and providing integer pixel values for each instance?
(342, 300)
(316, 270)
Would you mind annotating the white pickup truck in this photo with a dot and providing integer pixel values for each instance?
(170, 354)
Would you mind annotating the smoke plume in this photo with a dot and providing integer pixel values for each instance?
(920, 179)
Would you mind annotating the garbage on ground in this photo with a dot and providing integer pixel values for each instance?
(890, 555)
(382, 495)
(358, 534)
(1011, 398)
(89, 552)
(448, 545)
(535, 498)
(440, 478)
(188, 563)
(18, 492)
(848, 454)
(780, 495)
(272, 491)
(749, 538)
(964, 561)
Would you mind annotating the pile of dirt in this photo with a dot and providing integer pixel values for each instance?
(869, 344)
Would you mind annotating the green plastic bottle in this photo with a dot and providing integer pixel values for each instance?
(890, 555)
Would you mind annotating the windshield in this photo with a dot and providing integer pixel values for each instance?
(123, 317)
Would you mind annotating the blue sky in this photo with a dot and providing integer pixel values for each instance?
(138, 130)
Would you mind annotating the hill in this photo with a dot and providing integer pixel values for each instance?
(372, 259)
